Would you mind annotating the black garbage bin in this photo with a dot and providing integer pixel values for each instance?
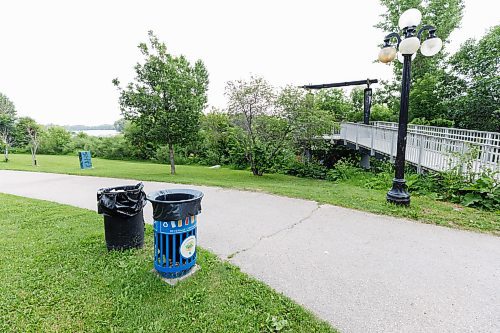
(123, 219)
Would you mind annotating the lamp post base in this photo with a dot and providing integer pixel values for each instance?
(398, 194)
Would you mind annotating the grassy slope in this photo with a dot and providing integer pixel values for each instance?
(349, 193)
(57, 276)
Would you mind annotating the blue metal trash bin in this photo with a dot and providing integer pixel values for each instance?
(175, 214)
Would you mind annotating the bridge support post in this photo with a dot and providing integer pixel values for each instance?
(365, 159)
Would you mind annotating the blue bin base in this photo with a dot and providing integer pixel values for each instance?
(174, 281)
(175, 247)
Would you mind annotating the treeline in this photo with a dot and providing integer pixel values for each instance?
(74, 128)
(281, 131)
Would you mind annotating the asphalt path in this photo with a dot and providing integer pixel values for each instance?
(359, 271)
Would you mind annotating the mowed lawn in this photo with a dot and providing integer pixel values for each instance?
(57, 276)
(350, 193)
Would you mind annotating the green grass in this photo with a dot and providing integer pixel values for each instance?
(350, 193)
(57, 276)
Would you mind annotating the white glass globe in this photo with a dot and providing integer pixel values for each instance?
(431, 46)
(409, 45)
(387, 54)
(409, 18)
(401, 59)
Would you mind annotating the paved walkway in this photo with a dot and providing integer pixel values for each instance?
(359, 271)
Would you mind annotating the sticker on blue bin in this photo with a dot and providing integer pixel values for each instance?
(188, 247)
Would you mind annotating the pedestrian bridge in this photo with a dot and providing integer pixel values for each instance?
(427, 147)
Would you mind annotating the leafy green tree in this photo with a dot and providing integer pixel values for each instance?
(55, 140)
(445, 15)
(476, 68)
(6, 106)
(119, 125)
(139, 138)
(307, 123)
(264, 127)
(335, 102)
(29, 133)
(167, 98)
(219, 136)
(6, 133)
(426, 99)
(380, 112)
(357, 97)
(7, 119)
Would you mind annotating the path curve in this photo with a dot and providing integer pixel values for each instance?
(359, 271)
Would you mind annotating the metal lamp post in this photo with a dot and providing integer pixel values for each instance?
(408, 47)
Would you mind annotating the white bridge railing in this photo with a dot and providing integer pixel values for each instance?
(429, 147)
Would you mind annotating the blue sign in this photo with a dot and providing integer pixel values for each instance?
(85, 159)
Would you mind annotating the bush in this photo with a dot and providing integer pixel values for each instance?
(381, 112)
(183, 156)
(420, 121)
(440, 122)
(483, 193)
(469, 189)
(55, 141)
(306, 170)
(342, 170)
(82, 141)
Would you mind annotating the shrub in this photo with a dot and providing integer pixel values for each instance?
(306, 170)
(440, 122)
(55, 141)
(484, 193)
(342, 170)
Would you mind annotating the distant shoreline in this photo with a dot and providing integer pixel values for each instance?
(74, 128)
(98, 132)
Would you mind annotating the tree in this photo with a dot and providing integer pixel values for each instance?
(119, 125)
(426, 96)
(335, 102)
(445, 15)
(140, 139)
(307, 123)
(265, 129)
(6, 106)
(167, 98)
(475, 72)
(357, 97)
(55, 140)
(219, 137)
(29, 133)
(6, 133)
(7, 119)
(380, 112)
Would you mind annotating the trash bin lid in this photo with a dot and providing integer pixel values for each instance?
(175, 204)
(175, 196)
(124, 201)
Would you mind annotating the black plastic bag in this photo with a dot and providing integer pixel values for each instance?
(121, 201)
(174, 205)
(123, 233)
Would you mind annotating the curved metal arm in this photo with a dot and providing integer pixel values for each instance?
(388, 38)
(430, 28)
